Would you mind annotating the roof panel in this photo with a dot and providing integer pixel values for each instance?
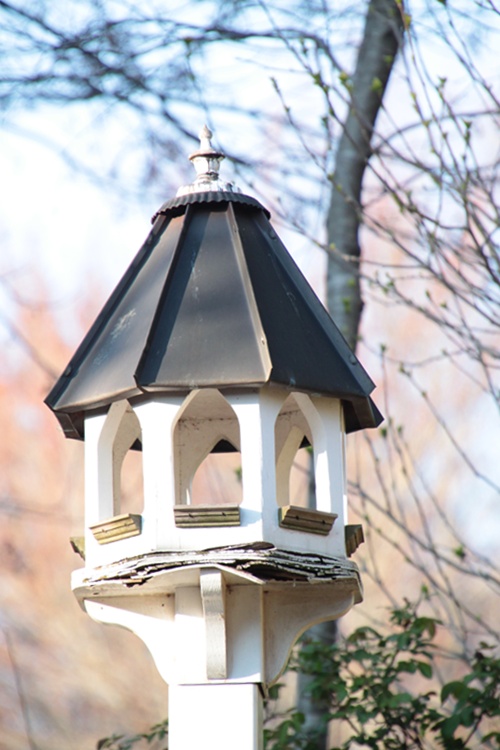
(104, 364)
(207, 329)
(212, 299)
(307, 349)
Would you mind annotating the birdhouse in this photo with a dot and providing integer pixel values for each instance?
(214, 344)
(213, 341)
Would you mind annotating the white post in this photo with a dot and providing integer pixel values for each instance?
(215, 717)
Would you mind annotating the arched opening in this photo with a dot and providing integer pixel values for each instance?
(296, 471)
(217, 480)
(207, 460)
(121, 471)
(295, 457)
(131, 492)
(302, 483)
(128, 486)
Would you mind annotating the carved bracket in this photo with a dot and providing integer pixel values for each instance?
(353, 538)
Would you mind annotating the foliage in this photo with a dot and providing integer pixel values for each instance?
(368, 681)
(152, 738)
(382, 691)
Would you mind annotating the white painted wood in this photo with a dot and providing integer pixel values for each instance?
(324, 417)
(127, 432)
(325, 488)
(196, 648)
(149, 617)
(290, 428)
(213, 597)
(96, 473)
(176, 437)
(257, 414)
(334, 466)
(284, 463)
(204, 418)
(245, 628)
(290, 612)
(156, 418)
(262, 621)
(190, 657)
(215, 717)
(344, 468)
(93, 503)
(100, 433)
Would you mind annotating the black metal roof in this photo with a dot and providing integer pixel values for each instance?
(212, 299)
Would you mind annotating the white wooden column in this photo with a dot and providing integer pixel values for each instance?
(331, 461)
(100, 433)
(325, 419)
(257, 413)
(215, 717)
(156, 419)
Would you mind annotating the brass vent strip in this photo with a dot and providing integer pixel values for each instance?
(305, 519)
(197, 516)
(116, 528)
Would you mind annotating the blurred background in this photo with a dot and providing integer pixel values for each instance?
(370, 131)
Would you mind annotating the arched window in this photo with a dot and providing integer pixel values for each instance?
(128, 495)
(295, 459)
(296, 470)
(207, 459)
(120, 465)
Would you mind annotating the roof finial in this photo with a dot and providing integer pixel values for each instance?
(206, 162)
(205, 136)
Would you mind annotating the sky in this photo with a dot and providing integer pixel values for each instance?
(74, 229)
(56, 219)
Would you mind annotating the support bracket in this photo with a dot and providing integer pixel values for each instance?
(213, 598)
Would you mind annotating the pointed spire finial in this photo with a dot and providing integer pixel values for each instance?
(206, 162)
(205, 136)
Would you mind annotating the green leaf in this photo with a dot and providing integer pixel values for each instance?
(426, 624)
(399, 699)
(448, 728)
(298, 720)
(456, 689)
(407, 666)
(425, 669)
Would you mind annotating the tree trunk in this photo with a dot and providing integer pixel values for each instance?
(381, 39)
(377, 53)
